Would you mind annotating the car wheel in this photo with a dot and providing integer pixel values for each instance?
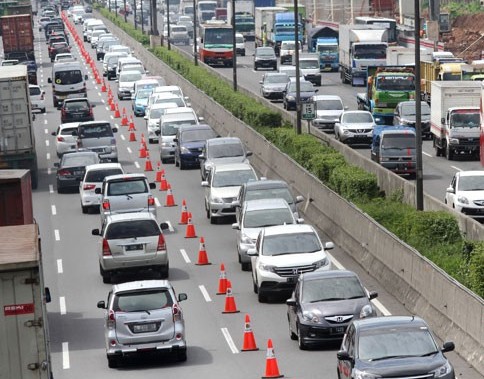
(292, 335)
(42, 110)
(176, 162)
(113, 362)
(164, 160)
(182, 165)
(261, 297)
(85, 209)
(213, 220)
(255, 68)
(256, 288)
(60, 189)
(245, 266)
(302, 345)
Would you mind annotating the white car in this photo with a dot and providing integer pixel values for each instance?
(126, 81)
(152, 117)
(222, 187)
(328, 111)
(466, 193)
(64, 57)
(282, 253)
(37, 98)
(93, 178)
(65, 142)
(355, 127)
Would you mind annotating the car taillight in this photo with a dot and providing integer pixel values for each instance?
(63, 112)
(63, 172)
(88, 187)
(106, 249)
(161, 243)
(90, 112)
(176, 313)
(106, 205)
(111, 320)
(42, 96)
(151, 201)
(60, 139)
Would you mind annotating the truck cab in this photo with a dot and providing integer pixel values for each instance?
(309, 67)
(327, 48)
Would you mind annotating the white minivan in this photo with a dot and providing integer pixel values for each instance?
(67, 79)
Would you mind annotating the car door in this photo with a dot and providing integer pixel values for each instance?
(293, 310)
(345, 367)
(255, 259)
(449, 196)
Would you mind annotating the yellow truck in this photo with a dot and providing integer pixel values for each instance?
(431, 71)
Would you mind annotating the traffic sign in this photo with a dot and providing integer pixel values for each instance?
(308, 111)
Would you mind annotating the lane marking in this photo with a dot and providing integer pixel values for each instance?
(47, 143)
(49, 171)
(456, 168)
(54, 210)
(65, 356)
(46, 131)
(62, 305)
(185, 256)
(129, 150)
(136, 164)
(335, 262)
(205, 294)
(229, 340)
(45, 122)
(107, 108)
(112, 117)
(381, 307)
(47, 156)
(60, 269)
(57, 235)
(427, 154)
(122, 137)
(170, 226)
(51, 188)
(157, 202)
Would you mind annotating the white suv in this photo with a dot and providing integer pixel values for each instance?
(282, 253)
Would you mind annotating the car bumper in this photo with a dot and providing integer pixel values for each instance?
(134, 263)
(355, 138)
(71, 182)
(474, 212)
(265, 64)
(90, 200)
(167, 152)
(124, 94)
(139, 110)
(272, 94)
(317, 334)
(125, 350)
(271, 282)
(324, 124)
(190, 160)
(222, 209)
(65, 120)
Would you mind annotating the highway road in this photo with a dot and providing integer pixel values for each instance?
(214, 339)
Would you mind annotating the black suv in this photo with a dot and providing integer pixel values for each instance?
(265, 57)
(78, 109)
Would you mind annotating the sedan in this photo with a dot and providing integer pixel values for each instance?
(306, 92)
(190, 141)
(77, 109)
(355, 127)
(65, 141)
(405, 114)
(71, 169)
(273, 84)
(140, 102)
(324, 303)
(466, 193)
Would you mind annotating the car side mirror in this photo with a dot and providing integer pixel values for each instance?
(115, 130)
(300, 220)
(47, 296)
(175, 139)
(53, 134)
(450, 190)
(164, 226)
(291, 302)
(236, 226)
(346, 107)
(299, 199)
(201, 119)
(95, 232)
(56, 164)
(252, 252)
(49, 80)
(248, 154)
(116, 81)
(157, 132)
(93, 105)
(101, 304)
(204, 184)
(201, 157)
(448, 346)
(182, 296)
(372, 295)
(152, 185)
(145, 117)
(442, 120)
(147, 72)
(86, 77)
(328, 245)
(316, 90)
(236, 203)
(343, 355)
(260, 82)
(97, 191)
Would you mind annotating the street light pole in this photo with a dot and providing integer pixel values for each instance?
(125, 13)
(154, 19)
(418, 112)
(298, 79)
(234, 48)
(116, 7)
(195, 57)
(135, 20)
(168, 21)
(142, 18)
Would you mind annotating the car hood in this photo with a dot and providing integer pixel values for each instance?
(274, 86)
(194, 145)
(291, 260)
(225, 191)
(403, 366)
(304, 94)
(329, 113)
(339, 307)
(354, 126)
(472, 195)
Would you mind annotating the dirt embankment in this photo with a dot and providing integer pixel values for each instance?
(461, 41)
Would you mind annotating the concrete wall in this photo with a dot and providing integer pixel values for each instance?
(453, 312)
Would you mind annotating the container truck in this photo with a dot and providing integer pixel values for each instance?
(15, 198)
(455, 118)
(17, 142)
(386, 87)
(18, 37)
(405, 56)
(360, 46)
(24, 335)
(264, 21)
(442, 70)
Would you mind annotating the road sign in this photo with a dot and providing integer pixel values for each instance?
(308, 111)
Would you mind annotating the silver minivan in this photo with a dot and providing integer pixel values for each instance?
(98, 136)
(169, 125)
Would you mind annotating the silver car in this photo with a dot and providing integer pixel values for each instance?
(65, 141)
(98, 136)
(132, 242)
(258, 214)
(328, 111)
(143, 318)
(355, 127)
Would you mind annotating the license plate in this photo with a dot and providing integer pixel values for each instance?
(138, 246)
(143, 328)
(338, 330)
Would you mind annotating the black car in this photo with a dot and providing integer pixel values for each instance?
(190, 141)
(265, 57)
(72, 167)
(405, 114)
(77, 109)
(324, 303)
(58, 48)
(392, 347)
(273, 84)
(306, 92)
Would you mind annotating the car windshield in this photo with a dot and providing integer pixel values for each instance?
(332, 289)
(177, 100)
(277, 78)
(379, 344)
(309, 64)
(471, 183)
(329, 105)
(34, 91)
(77, 106)
(97, 176)
(461, 120)
(268, 217)
(408, 110)
(67, 131)
(131, 77)
(269, 193)
(290, 243)
(127, 187)
(232, 178)
(197, 135)
(68, 77)
(400, 142)
(142, 301)
(78, 160)
(143, 94)
(304, 87)
(265, 53)
(353, 118)
(395, 83)
(95, 131)
(132, 229)
(225, 150)
(156, 113)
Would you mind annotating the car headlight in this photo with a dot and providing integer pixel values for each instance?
(346, 132)
(453, 141)
(462, 199)
(266, 267)
(366, 311)
(217, 200)
(244, 238)
(445, 369)
(321, 263)
(291, 98)
(184, 150)
(312, 316)
(358, 374)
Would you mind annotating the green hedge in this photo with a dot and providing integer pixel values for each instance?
(436, 235)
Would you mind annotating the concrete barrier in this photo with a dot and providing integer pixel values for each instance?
(453, 312)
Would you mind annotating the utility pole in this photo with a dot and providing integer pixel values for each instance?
(418, 112)
(142, 18)
(234, 49)
(125, 13)
(195, 57)
(168, 21)
(135, 21)
(298, 79)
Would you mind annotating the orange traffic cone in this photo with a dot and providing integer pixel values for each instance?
(112, 105)
(116, 112)
(272, 370)
(143, 140)
(148, 165)
(103, 88)
(190, 232)
(98, 78)
(124, 120)
(202, 254)
(131, 124)
(142, 151)
(170, 200)
(163, 182)
(249, 340)
(132, 137)
(184, 214)
(158, 172)
(222, 281)
(230, 306)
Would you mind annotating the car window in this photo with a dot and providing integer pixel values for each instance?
(232, 178)
(290, 244)
(68, 77)
(97, 176)
(67, 131)
(73, 160)
(77, 106)
(95, 131)
(142, 301)
(34, 91)
(131, 77)
(132, 229)
(226, 150)
(269, 193)
(264, 217)
(332, 289)
(327, 104)
(471, 183)
(127, 187)
(351, 118)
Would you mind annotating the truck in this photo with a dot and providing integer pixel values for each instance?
(24, 342)
(221, 14)
(18, 37)
(360, 46)
(405, 56)
(386, 87)
(455, 118)
(438, 70)
(394, 147)
(216, 46)
(264, 21)
(244, 18)
(309, 67)
(17, 141)
(15, 198)
(327, 48)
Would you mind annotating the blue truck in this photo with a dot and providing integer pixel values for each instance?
(283, 29)
(324, 41)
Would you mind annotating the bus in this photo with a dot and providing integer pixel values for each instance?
(216, 44)
(388, 23)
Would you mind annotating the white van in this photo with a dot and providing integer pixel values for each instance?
(110, 63)
(67, 79)
(126, 61)
(89, 24)
(169, 125)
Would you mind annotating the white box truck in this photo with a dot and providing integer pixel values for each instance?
(24, 341)
(405, 56)
(455, 117)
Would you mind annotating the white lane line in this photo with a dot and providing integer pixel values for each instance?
(45, 122)
(99, 94)
(47, 156)
(157, 202)
(102, 101)
(335, 262)
(229, 340)
(170, 226)
(122, 137)
(456, 168)
(46, 131)
(62, 305)
(47, 143)
(381, 307)
(54, 210)
(136, 164)
(49, 171)
(51, 188)
(65, 356)
(129, 150)
(205, 294)
(185, 256)
(60, 269)
(427, 154)
(112, 117)
(57, 235)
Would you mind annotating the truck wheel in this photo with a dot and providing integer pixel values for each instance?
(449, 154)
(438, 150)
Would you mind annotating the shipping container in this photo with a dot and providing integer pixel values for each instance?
(18, 36)
(15, 198)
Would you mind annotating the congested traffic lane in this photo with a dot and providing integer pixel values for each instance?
(72, 274)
